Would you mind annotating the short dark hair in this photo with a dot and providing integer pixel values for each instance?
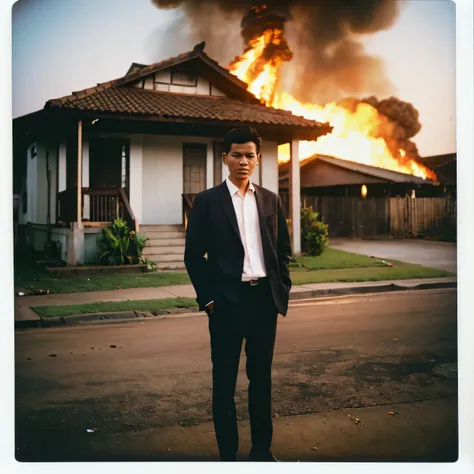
(242, 135)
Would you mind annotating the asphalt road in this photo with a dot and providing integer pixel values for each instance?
(128, 380)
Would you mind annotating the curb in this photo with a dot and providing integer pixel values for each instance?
(359, 290)
(130, 316)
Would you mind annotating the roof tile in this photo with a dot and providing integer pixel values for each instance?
(185, 106)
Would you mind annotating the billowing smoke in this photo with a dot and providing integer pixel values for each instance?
(329, 60)
(398, 122)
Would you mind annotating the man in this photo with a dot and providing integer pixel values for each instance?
(242, 285)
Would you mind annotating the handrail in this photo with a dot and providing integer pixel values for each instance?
(133, 220)
(187, 206)
(104, 191)
(108, 209)
(188, 200)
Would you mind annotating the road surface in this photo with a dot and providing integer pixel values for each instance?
(144, 387)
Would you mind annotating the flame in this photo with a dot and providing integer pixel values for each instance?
(252, 67)
(354, 135)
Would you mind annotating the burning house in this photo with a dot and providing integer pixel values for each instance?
(142, 145)
(139, 147)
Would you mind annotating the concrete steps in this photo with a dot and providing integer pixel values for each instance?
(165, 246)
(158, 235)
(163, 250)
(165, 242)
(170, 265)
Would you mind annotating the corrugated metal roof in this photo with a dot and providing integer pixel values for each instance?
(381, 173)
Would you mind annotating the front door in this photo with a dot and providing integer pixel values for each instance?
(108, 163)
(194, 167)
(108, 171)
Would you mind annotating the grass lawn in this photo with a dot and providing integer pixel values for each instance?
(332, 265)
(337, 265)
(332, 258)
(114, 306)
(397, 272)
(42, 280)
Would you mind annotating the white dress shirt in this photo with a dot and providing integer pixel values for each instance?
(247, 219)
(249, 228)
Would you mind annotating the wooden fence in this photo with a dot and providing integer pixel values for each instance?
(399, 217)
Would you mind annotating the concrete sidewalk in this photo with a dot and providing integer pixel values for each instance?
(24, 313)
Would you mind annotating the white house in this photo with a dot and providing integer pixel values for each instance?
(141, 146)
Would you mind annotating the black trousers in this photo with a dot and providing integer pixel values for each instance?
(255, 320)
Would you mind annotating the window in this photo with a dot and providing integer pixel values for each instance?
(124, 166)
(182, 77)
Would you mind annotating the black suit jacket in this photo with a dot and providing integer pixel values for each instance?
(213, 230)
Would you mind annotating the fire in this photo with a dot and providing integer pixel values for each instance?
(354, 136)
(260, 73)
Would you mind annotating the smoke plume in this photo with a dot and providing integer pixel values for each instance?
(328, 57)
(399, 121)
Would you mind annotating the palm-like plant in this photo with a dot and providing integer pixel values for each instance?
(114, 242)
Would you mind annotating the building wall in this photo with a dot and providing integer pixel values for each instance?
(162, 177)
(62, 167)
(136, 176)
(37, 185)
(161, 81)
(319, 173)
(41, 186)
(37, 236)
(269, 164)
(31, 185)
(91, 249)
(156, 176)
(85, 176)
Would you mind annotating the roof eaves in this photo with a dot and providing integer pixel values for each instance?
(389, 175)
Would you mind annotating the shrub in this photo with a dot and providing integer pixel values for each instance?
(119, 245)
(314, 232)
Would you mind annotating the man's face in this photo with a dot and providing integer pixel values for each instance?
(241, 160)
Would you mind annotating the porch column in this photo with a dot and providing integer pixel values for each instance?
(295, 197)
(136, 176)
(75, 253)
(76, 234)
(79, 173)
(85, 177)
(62, 167)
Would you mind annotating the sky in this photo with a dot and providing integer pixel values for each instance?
(60, 46)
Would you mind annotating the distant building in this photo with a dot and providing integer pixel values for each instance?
(326, 176)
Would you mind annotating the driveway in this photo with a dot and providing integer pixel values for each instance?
(422, 252)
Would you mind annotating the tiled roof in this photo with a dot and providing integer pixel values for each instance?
(143, 71)
(168, 105)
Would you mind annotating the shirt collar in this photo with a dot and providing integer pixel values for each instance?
(234, 189)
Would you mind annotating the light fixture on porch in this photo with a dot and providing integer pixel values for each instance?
(94, 121)
(363, 191)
